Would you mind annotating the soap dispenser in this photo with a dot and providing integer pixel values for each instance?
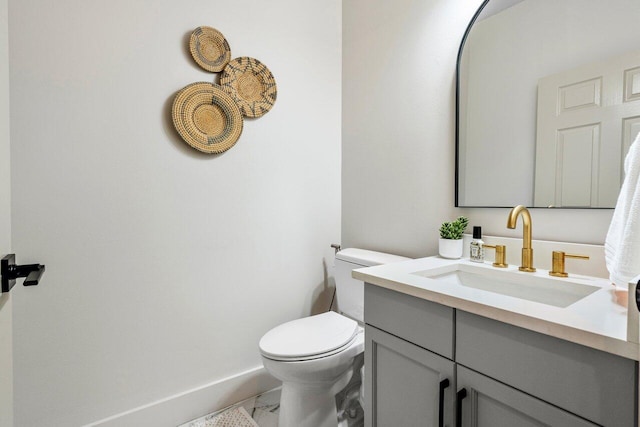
(476, 252)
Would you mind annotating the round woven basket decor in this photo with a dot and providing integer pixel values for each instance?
(207, 118)
(209, 49)
(250, 84)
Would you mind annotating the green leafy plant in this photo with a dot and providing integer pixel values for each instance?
(453, 230)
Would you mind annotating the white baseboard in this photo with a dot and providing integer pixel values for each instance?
(191, 404)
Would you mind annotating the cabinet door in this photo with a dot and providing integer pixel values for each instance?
(593, 384)
(483, 402)
(406, 385)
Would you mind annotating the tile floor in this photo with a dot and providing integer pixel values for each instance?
(264, 408)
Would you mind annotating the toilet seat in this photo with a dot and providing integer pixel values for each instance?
(309, 338)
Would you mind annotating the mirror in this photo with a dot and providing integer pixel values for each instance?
(548, 102)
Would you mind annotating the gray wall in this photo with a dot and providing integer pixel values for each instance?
(164, 266)
(398, 118)
(398, 131)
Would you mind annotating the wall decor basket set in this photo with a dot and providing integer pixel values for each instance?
(209, 117)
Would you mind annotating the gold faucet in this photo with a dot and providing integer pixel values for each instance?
(527, 250)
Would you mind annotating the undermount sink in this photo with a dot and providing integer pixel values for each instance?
(527, 286)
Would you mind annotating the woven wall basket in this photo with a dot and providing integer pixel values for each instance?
(250, 84)
(207, 118)
(209, 49)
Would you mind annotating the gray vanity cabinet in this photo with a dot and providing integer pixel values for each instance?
(410, 386)
(407, 364)
(488, 403)
(511, 376)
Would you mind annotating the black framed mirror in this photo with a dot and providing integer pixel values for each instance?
(547, 102)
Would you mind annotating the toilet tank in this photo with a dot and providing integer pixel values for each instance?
(349, 291)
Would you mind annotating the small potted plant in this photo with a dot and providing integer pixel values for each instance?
(450, 243)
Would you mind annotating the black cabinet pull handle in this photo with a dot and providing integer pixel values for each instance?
(443, 385)
(460, 396)
(638, 295)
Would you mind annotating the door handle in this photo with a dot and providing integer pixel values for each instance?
(33, 278)
(10, 271)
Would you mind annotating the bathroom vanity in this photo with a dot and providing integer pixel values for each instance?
(443, 353)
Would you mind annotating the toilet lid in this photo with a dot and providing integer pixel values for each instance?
(308, 336)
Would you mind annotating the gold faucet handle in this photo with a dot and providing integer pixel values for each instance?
(501, 255)
(557, 261)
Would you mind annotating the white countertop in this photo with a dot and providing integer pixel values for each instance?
(596, 321)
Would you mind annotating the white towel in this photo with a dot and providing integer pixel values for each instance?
(622, 245)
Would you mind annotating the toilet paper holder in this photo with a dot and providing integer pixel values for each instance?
(10, 271)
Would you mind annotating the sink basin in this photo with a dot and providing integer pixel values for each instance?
(527, 286)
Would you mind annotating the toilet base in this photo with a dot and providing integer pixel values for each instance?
(311, 405)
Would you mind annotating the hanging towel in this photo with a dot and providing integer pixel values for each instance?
(622, 245)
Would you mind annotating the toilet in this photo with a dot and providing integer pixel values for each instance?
(314, 356)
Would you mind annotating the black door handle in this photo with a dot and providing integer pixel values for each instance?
(443, 385)
(638, 295)
(10, 271)
(460, 396)
(33, 278)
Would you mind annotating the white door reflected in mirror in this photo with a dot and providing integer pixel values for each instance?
(587, 120)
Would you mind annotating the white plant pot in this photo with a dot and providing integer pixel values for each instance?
(451, 249)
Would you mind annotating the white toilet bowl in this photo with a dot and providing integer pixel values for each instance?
(313, 357)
